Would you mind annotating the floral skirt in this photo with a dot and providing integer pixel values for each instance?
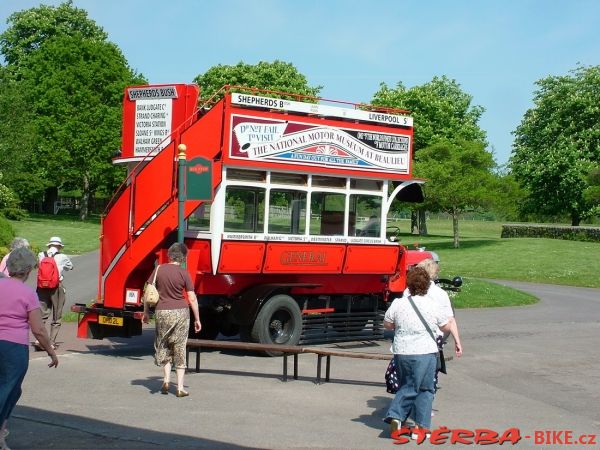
(172, 327)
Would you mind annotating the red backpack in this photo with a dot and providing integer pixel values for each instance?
(47, 276)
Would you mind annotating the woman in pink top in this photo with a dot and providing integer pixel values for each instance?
(19, 312)
(17, 242)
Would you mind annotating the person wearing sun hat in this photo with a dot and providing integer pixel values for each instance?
(52, 300)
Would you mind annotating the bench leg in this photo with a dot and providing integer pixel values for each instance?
(187, 358)
(285, 366)
(319, 368)
(295, 366)
(327, 366)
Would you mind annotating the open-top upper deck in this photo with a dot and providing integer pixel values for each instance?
(267, 130)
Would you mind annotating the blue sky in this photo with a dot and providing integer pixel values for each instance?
(496, 50)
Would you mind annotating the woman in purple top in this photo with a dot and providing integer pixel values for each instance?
(19, 312)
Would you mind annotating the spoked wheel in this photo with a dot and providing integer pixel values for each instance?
(278, 322)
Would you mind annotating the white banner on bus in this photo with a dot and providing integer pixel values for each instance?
(322, 110)
(296, 142)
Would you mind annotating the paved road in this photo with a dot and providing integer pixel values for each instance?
(534, 368)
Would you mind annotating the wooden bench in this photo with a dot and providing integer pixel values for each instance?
(286, 350)
(328, 353)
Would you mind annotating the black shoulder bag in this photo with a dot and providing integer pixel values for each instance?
(441, 362)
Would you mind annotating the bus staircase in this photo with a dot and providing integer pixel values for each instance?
(139, 219)
(143, 213)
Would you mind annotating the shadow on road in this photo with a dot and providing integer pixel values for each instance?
(378, 406)
(34, 428)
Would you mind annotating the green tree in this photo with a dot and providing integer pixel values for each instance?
(558, 143)
(7, 196)
(30, 28)
(275, 76)
(592, 192)
(440, 108)
(460, 178)
(61, 93)
(507, 196)
(17, 138)
(442, 111)
(75, 87)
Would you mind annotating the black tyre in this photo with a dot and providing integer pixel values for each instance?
(278, 322)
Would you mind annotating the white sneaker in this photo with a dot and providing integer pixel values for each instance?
(415, 436)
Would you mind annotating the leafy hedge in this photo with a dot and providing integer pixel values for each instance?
(7, 234)
(588, 234)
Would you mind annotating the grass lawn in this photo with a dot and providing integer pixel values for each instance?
(483, 254)
(476, 293)
(78, 237)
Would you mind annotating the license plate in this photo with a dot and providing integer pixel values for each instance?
(114, 321)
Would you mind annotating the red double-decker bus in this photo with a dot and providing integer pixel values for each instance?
(285, 213)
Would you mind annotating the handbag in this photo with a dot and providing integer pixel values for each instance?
(392, 383)
(441, 362)
(150, 292)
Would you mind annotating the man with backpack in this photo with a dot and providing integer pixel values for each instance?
(50, 289)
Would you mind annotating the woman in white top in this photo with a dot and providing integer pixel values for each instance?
(441, 299)
(415, 351)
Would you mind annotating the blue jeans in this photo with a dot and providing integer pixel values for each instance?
(14, 361)
(415, 396)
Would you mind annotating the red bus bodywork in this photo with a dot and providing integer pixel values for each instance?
(236, 274)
